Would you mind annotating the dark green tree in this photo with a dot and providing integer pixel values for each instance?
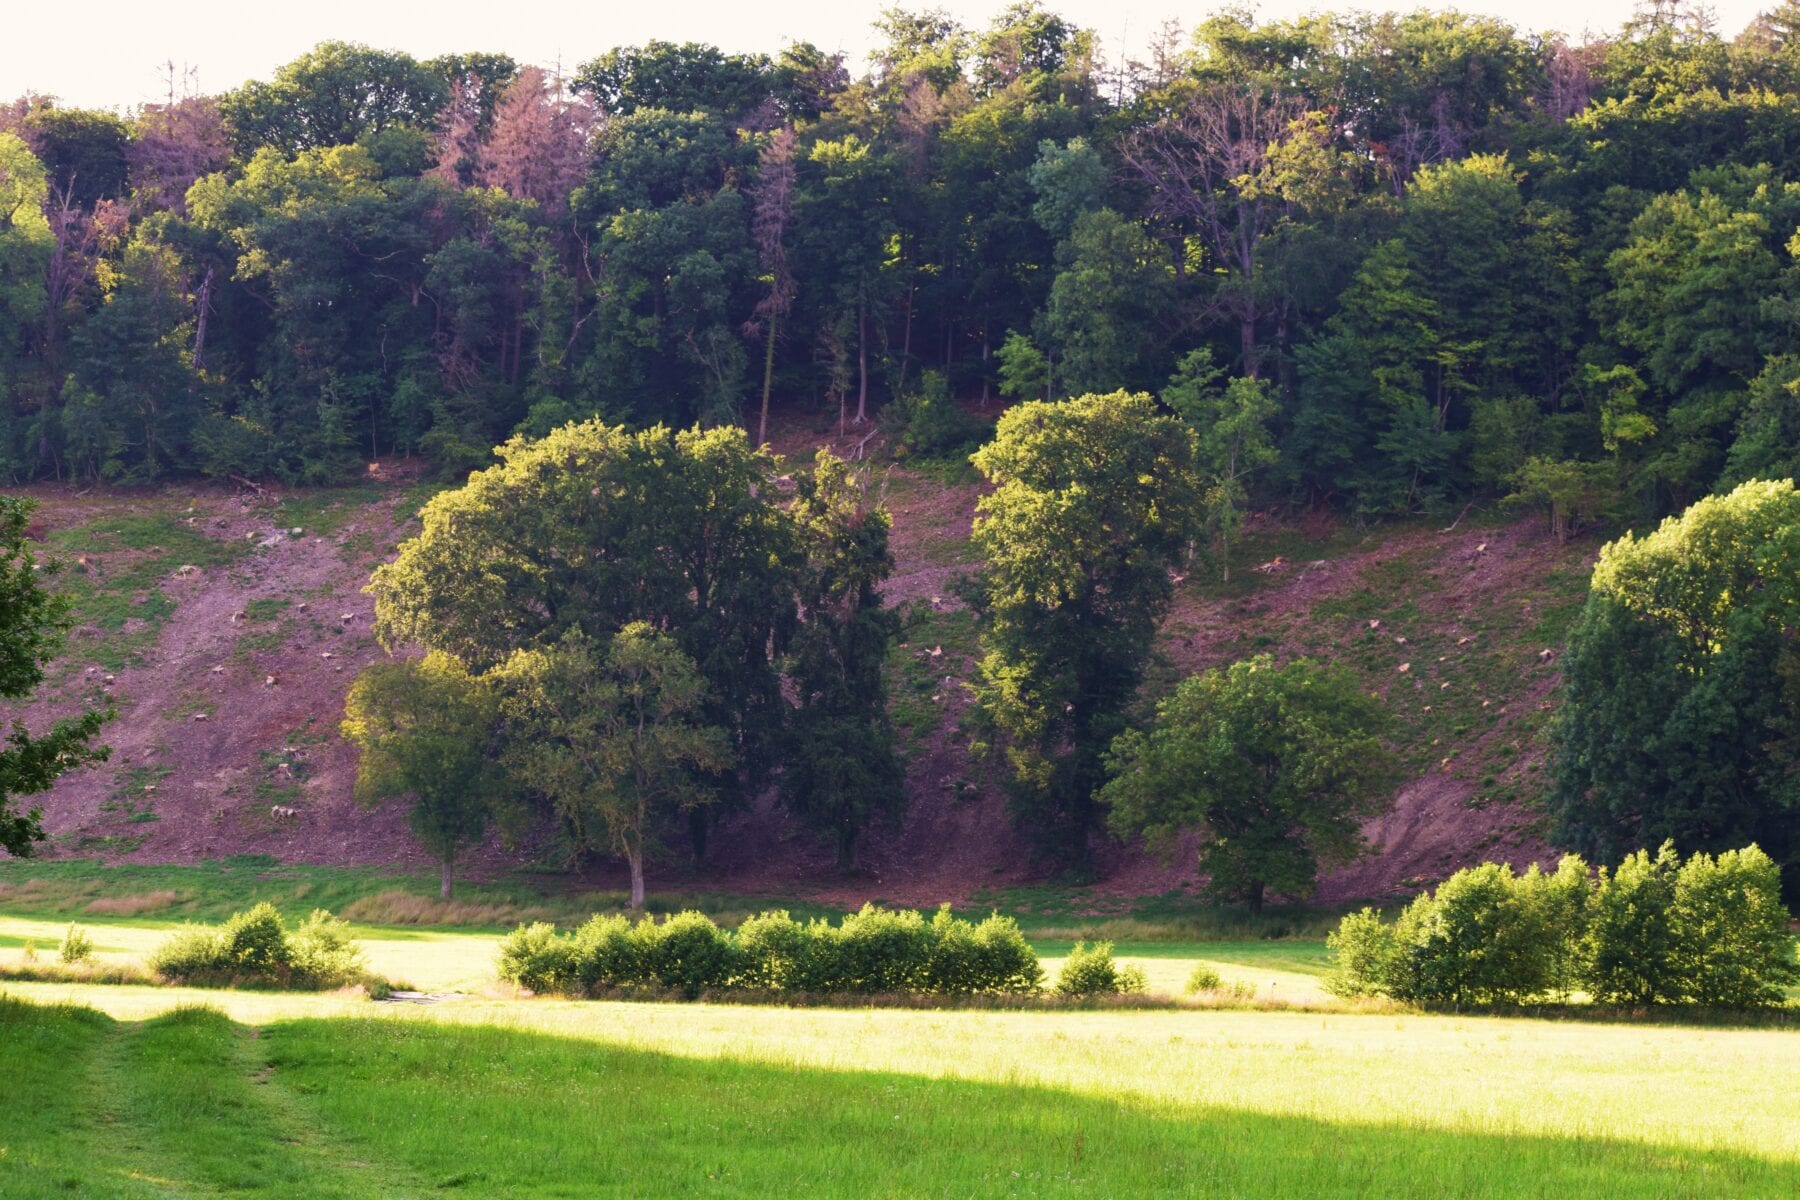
(335, 94)
(1276, 766)
(841, 770)
(1680, 714)
(593, 527)
(614, 738)
(686, 78)
(33, 622)
(426, 730)
(1095, 500)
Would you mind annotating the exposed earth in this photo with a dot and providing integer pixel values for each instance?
(224, 623)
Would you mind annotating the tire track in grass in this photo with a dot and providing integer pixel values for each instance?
(197, 1116)
(56, 1121)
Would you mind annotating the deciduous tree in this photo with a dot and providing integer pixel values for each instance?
(614, 737)
(427, 731)
(1095, 499)
(1275, 766)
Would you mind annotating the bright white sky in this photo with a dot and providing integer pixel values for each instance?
(109, 52)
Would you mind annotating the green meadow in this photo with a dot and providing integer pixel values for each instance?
(139, 1091)
(155, 1095)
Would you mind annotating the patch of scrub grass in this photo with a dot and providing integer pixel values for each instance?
(114, 569)
(1262, 544)
(269, 637)
(133, 794)
(266, 608)
(935, 1103)
(110, 844)
(321, 512)
(917, 693)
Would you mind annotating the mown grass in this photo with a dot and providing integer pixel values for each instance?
(565, 1100)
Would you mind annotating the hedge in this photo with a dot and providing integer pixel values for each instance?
(872, 951)
(1711, 932)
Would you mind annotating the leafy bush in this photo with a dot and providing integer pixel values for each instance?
(1365, 956)
(606, 955)
(1090, 971)
(992, 957)
(191, 954)
(687, 952)
(1711, 931)
(771, 947)
(1628, 956)
(1732, 944)
(1489, 937)
(873, 951)
(76, 947)
(255, 947)
(256, 942)
(322, 953)
(930, 424)
(1008, 963)
(1204, 979)
(537, 957)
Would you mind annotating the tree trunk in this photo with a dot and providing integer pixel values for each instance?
(984, 364)
(846, 850)
(762, 430)
(862, 361)
(202, 304)
(905, 343)
(636, 858)
(1256, 898)
(444, 878)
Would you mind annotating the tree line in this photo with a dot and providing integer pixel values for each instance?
(1405, 259)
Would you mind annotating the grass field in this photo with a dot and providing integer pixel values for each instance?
(133, 1091)
(550, 1098)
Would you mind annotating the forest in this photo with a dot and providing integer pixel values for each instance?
(1415, 258)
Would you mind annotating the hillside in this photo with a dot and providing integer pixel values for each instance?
(225, 624)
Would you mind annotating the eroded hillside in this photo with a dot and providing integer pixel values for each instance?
(225, 624)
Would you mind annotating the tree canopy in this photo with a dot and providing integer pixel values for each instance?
(1274, 766)
(1681, 689)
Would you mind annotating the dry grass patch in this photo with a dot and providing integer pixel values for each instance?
(134, 905)
(395, 907)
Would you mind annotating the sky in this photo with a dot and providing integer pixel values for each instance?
(111, 53)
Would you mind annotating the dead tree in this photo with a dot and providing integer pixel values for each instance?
(1197, 166)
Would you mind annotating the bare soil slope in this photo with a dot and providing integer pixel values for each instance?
(225, 626)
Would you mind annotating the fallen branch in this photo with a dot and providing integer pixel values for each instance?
(1459, 517)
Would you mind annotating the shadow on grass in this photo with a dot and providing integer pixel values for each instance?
(197, 1104)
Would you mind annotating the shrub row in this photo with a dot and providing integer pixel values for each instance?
(873, 951)
(256, 947)
(1710, 931)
